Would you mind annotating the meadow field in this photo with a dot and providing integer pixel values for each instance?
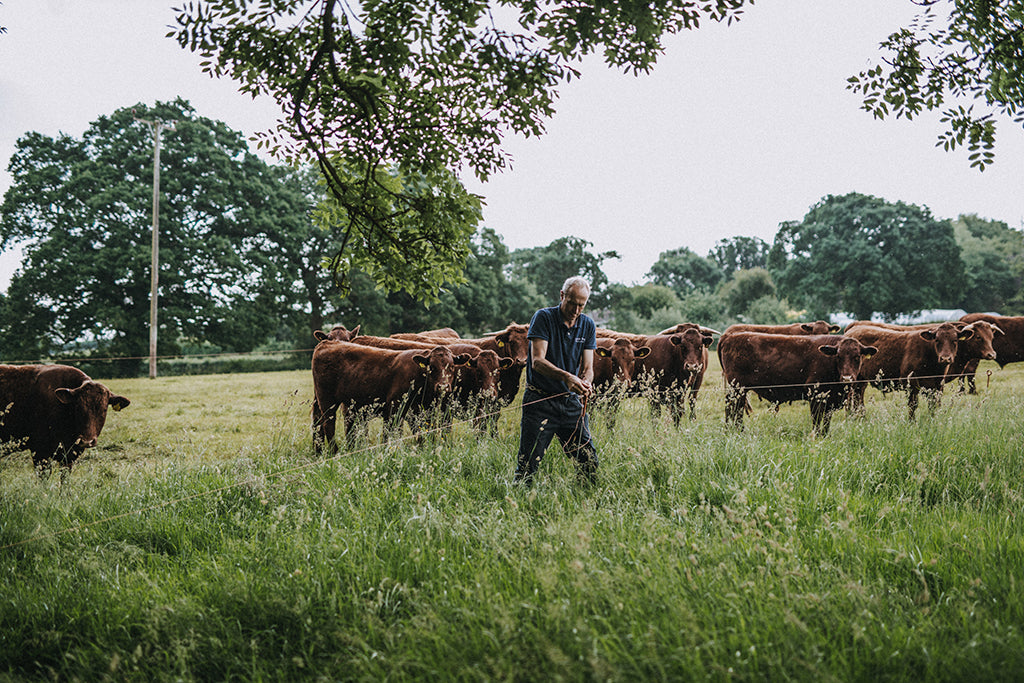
(204, 541)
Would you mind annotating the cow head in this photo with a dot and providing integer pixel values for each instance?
(88, 405)
(484, 369)
(337, 333)
(683, 327)
(512, 342)
(438, 366)
(848, 353)
(623, 356)
(944, 338)
(692, 345)
(979, 342)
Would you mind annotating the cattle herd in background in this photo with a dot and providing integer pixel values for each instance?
(56, 411)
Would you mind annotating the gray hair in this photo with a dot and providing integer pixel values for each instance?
(574, 282)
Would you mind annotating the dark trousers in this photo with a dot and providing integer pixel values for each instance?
(545, 417)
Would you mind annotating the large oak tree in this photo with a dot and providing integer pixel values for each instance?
(240, 258)
(862, 254)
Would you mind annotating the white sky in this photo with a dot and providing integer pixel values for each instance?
(736, 130)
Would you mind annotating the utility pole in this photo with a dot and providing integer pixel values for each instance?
(154, 273)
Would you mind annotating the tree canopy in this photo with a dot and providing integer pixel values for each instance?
(861, 254)
(961, 57)
(683, 271)
(394, 98)
(235, 235)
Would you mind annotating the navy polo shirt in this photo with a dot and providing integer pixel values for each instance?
(565, 346)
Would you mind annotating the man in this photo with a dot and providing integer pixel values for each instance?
(558, 383)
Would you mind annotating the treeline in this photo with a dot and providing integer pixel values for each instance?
(243, 253)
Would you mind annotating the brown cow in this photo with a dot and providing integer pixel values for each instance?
(390, 383)
(614, 366)
(614, 362)
(337, 333)
(1009, 346)
(969, 352)
(817, 327)
(509, 374)
(54, 411)
(476, 384)
(674, 370)
(909, 360)
(821, 369)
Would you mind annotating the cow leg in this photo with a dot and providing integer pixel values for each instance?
(324, 426)
(855, 399)
(970, 370)
(934, 397)
(735, 405)
(821, 416)
(693, 403)
(912, 399)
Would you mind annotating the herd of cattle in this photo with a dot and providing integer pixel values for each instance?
(56, 411)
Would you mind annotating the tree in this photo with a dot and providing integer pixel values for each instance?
(683, 271)
(993, 256)
(969, 64)
(81, 211)
(417, 89)
(548, 268)
(861, 254)
(745, 287)
(739, 253)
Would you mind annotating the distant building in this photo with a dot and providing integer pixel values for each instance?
(932, 315)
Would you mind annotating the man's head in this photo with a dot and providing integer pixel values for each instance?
(573, 298)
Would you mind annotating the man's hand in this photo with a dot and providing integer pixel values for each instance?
(580, 386)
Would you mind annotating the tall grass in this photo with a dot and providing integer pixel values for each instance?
(204, 541)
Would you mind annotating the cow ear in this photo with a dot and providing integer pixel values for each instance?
(64, 394)
(676, 339)
(502, 339)
(965, 333)
(506, 363)
(806, 328)
(118, 402)
(829, 350)
(642, 352)
(319, 335)
(465, 359)
(707, 339)
(603, 352)
(422, 361)
(834, 329)
(868, 351)
(928, 334)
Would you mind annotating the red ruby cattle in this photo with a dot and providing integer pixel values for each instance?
(911, 360)
(674, 370)
(390, 383)
(819, 369)
(53, 411)
(1008, 345)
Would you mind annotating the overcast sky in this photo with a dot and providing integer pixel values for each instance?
(736, 130)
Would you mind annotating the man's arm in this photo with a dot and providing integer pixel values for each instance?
(587, 366)
(578, 385)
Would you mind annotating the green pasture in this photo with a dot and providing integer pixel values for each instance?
(204, 541)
